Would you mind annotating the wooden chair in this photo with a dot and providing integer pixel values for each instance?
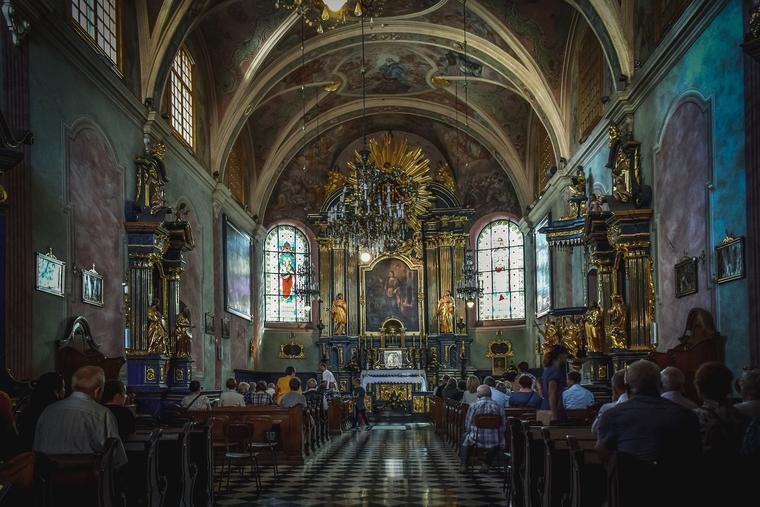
(238, 452)
(143, 484)
(484, 422)
(588, 482)
(263, 437)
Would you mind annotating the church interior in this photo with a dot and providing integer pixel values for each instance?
(379, 252)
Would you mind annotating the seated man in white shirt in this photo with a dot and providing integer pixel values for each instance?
(79, 424)
(576, 396)
(673, 380)
(195, 400)
(619, 395)
(497, 396)
(230, 397)
(327, 376)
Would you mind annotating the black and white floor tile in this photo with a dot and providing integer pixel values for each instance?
(402, 465)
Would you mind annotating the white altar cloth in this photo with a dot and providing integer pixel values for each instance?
(405, 376)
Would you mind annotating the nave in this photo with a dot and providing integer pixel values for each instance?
(389, 465)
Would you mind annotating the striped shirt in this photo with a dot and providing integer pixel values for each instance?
(259, 398)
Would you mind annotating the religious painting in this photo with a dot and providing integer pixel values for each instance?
(51, 274)
(686, 277)
(730, 259)
(543, 271)
(208, 323)
(225, 326)
(285, 250)
(392, 359)
(92, 287)
(391, 289)
(237, 271)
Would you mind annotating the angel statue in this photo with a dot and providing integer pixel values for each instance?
(549, 335)
(594, 324)
(572, 336)
(616, 332)
(158, 336)
(183, 336)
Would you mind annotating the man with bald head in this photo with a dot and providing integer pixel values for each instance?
(491, 439)
(648, 427)
(79, 424)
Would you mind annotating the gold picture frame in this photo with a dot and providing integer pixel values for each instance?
(412, 266)
(292, 350)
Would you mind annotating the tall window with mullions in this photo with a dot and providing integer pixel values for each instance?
(501, 274)
(285, 250)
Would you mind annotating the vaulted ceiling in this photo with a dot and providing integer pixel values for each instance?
(518, 70)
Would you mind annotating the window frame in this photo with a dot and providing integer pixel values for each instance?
(309, 315)
(93, 40)
(170, 95)
(512, 320)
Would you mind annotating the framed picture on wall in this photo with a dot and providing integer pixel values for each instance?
(51, 273)
(543, 270)
(208, 323)
(237, 270)
(730, 259)
(92, 287)
(225, 327)
(687, 280)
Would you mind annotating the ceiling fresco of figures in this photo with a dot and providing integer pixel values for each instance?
(269, 72)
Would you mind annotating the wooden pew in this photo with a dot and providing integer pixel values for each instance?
(517, 452)
(174, 463)
(557, 473)
(140, 478)
(533, 464)
(77, 479)
(201, 454)
(336, 415)
(588, 477)
(291, 421)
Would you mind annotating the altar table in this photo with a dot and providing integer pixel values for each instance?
(401, 376)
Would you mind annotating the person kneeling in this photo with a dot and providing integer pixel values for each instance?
(491, 439)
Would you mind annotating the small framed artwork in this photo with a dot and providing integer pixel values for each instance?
(208, 323)
(51, 274)
(730, 259)
(226, 326)
(687, 280)
(92, 287)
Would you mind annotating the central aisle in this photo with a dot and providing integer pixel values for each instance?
(389, 465)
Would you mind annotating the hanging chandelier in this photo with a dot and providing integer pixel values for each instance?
(383, 199)
(469, 287)
(307, 284)
(329, 14)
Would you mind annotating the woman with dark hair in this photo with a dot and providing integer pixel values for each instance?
(525, 397)
(721, 425)
(46, 390)
(450, 390)
(553, 383)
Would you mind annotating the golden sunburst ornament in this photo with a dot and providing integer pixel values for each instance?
(405, 172)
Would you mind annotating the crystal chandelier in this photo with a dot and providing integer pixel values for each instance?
(329, 14)
(307, 285)
(469, 286)
(383, 199)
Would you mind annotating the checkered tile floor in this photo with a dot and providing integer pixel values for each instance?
(381, 467)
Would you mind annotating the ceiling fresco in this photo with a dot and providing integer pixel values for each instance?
(416, 66)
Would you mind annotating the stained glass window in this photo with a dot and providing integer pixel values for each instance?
(99, 20)
(286, 248)
(181, 96)
(500, 271)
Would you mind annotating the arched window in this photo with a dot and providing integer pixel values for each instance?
(99, 20)
(181, 97)
(500, 271)
(286, 249)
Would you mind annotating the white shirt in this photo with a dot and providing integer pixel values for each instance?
(604, 408)
(194, 401)
(327, 376)
(77, 425)
(231, 398)
(576, 396)
(469, 398)
(679, 398)
(499, 397)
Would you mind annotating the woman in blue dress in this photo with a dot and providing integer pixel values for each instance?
(553, 383)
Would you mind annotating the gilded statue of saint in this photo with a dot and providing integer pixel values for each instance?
(594, 324)
(572, 336)
(339, 314)
(158, 336)
(183, 336)
(549, 335)
(616, 332)
(445, 313)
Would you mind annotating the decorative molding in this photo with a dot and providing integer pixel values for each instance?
(17, 25)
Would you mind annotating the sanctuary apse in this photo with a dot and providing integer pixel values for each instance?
(396, 193)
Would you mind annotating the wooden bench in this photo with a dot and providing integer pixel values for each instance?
(140, 478)
(557, 471)
(289, 420)
(588, 477)
(174, 464)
